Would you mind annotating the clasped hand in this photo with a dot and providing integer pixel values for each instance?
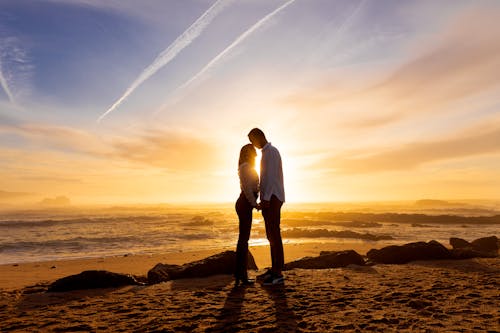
(262, 204)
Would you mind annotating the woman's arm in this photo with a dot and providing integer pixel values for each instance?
(249, 183)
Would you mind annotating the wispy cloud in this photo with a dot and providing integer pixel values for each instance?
(221, 55)
(460, 63)
(186, 38)
(16, 68)
(57, 138)
(5, 85)
(173, 151)
(472, 142)
(170, 150)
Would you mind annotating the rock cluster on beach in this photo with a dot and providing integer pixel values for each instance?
(328, 259)
(401, 254)
(486, 247)
(224, 263)
(92, 279)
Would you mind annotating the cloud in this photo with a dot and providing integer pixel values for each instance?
(52, 179)
(473, 142)
(5, 85)
(6, 195)
(461, 62)
(169, 150)
(60, 138)
(224, 52)
(172, 151)
(183, 41)
(16, 68)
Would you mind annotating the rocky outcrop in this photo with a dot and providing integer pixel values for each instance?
(486, 247)
(469, 253)
(328, 259)
(92, 280)
(459, 243)
(221, 263)
(401, 254)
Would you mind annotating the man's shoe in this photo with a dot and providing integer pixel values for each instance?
(274, 280)
(265, 276)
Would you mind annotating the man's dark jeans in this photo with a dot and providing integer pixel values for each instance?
(272, 218)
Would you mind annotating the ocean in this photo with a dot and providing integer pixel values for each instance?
(42, 235)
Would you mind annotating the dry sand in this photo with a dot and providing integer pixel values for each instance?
(447, 296)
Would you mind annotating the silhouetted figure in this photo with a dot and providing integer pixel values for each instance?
(249, 183)
(272, 197)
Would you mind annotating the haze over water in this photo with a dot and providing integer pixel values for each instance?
(51, 234)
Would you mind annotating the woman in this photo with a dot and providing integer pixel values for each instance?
(249, 184)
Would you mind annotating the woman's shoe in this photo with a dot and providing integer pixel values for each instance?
(247, 282)
(243, 282)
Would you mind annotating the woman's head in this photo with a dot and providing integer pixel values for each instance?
(247, 154)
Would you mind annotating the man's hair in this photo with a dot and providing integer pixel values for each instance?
(257, 132)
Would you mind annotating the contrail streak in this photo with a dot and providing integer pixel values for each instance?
(349, 19)
(235, 43)
(5, 86)
(181, 42)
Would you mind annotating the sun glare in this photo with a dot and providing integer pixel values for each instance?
(291, 172)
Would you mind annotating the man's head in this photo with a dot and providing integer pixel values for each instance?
(257, 138)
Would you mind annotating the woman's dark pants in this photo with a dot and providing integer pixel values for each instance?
(244, 211)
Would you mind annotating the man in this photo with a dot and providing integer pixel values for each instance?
(272, 197)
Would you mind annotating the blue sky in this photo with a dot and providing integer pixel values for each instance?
(348, 90)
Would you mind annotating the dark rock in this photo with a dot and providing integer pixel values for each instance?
(400, 254)
(221, 263)
(486, 244)
(92, 280)
(459, 243)
(328, 260)
(468, 253)
(486, 247)
(163, 272)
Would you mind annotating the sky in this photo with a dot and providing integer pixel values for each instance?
(124, 101)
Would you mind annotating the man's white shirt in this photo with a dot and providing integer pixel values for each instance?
(271, 174)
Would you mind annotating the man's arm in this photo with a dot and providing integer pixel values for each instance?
(269, 173)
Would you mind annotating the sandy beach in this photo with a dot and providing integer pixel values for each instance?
(447, 296)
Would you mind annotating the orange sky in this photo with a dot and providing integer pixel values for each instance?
(370, 101)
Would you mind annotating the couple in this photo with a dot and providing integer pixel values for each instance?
(272, 196)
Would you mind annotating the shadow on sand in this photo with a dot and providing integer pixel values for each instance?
(232, 318)
(286, 320)
(229, 317)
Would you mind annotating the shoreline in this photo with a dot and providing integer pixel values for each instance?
(20, 275)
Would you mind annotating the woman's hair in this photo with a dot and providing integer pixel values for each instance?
(247, 154)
